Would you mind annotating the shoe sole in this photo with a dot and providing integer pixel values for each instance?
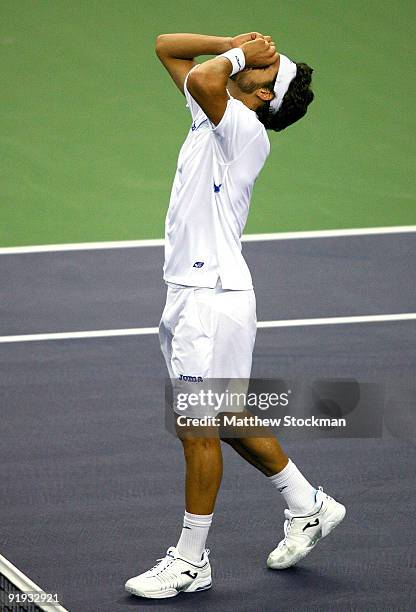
(192, 588)
(334, 519)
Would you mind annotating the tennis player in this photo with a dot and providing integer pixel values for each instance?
(208, 326)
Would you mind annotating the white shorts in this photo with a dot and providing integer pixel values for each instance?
(208, 333)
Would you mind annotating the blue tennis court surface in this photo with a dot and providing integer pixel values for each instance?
(92, 482)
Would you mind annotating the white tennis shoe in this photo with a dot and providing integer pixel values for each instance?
(172, 575)
(302, 533)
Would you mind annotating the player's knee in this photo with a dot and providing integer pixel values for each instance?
(198, 444)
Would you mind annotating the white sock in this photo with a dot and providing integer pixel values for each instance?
(194, 534)
(298, 493)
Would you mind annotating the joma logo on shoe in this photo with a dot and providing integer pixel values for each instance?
(314, 524)
(190, 574)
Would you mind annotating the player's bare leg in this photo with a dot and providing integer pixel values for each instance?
(203, 458)
(265, 454)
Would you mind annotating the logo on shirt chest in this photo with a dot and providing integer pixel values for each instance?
(195, 126)
(198, 264)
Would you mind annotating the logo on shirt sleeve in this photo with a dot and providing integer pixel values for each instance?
(217, 187)
(198, 264)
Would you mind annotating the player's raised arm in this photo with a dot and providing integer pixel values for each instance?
(208, 82)
(177, 52)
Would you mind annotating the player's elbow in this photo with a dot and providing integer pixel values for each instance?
(160, 44)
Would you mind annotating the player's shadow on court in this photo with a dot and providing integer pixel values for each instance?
(183, 601)
(306, 580)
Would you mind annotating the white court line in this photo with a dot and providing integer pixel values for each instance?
(100, 333)
(145, 331)
(25, 585)
(158, 242)
(404, 316)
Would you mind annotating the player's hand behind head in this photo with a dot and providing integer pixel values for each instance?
(237, 41)
(260, 52)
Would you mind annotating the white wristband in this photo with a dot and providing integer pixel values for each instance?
(237, 58)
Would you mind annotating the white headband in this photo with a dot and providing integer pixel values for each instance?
(287, 72)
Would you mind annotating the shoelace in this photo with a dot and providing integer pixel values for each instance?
(162, 563)
(286, 529)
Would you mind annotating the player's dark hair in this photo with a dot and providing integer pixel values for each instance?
(295, 102)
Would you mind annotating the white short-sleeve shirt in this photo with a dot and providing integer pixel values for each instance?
(210, 197)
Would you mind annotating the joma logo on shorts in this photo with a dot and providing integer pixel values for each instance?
(191, 378)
